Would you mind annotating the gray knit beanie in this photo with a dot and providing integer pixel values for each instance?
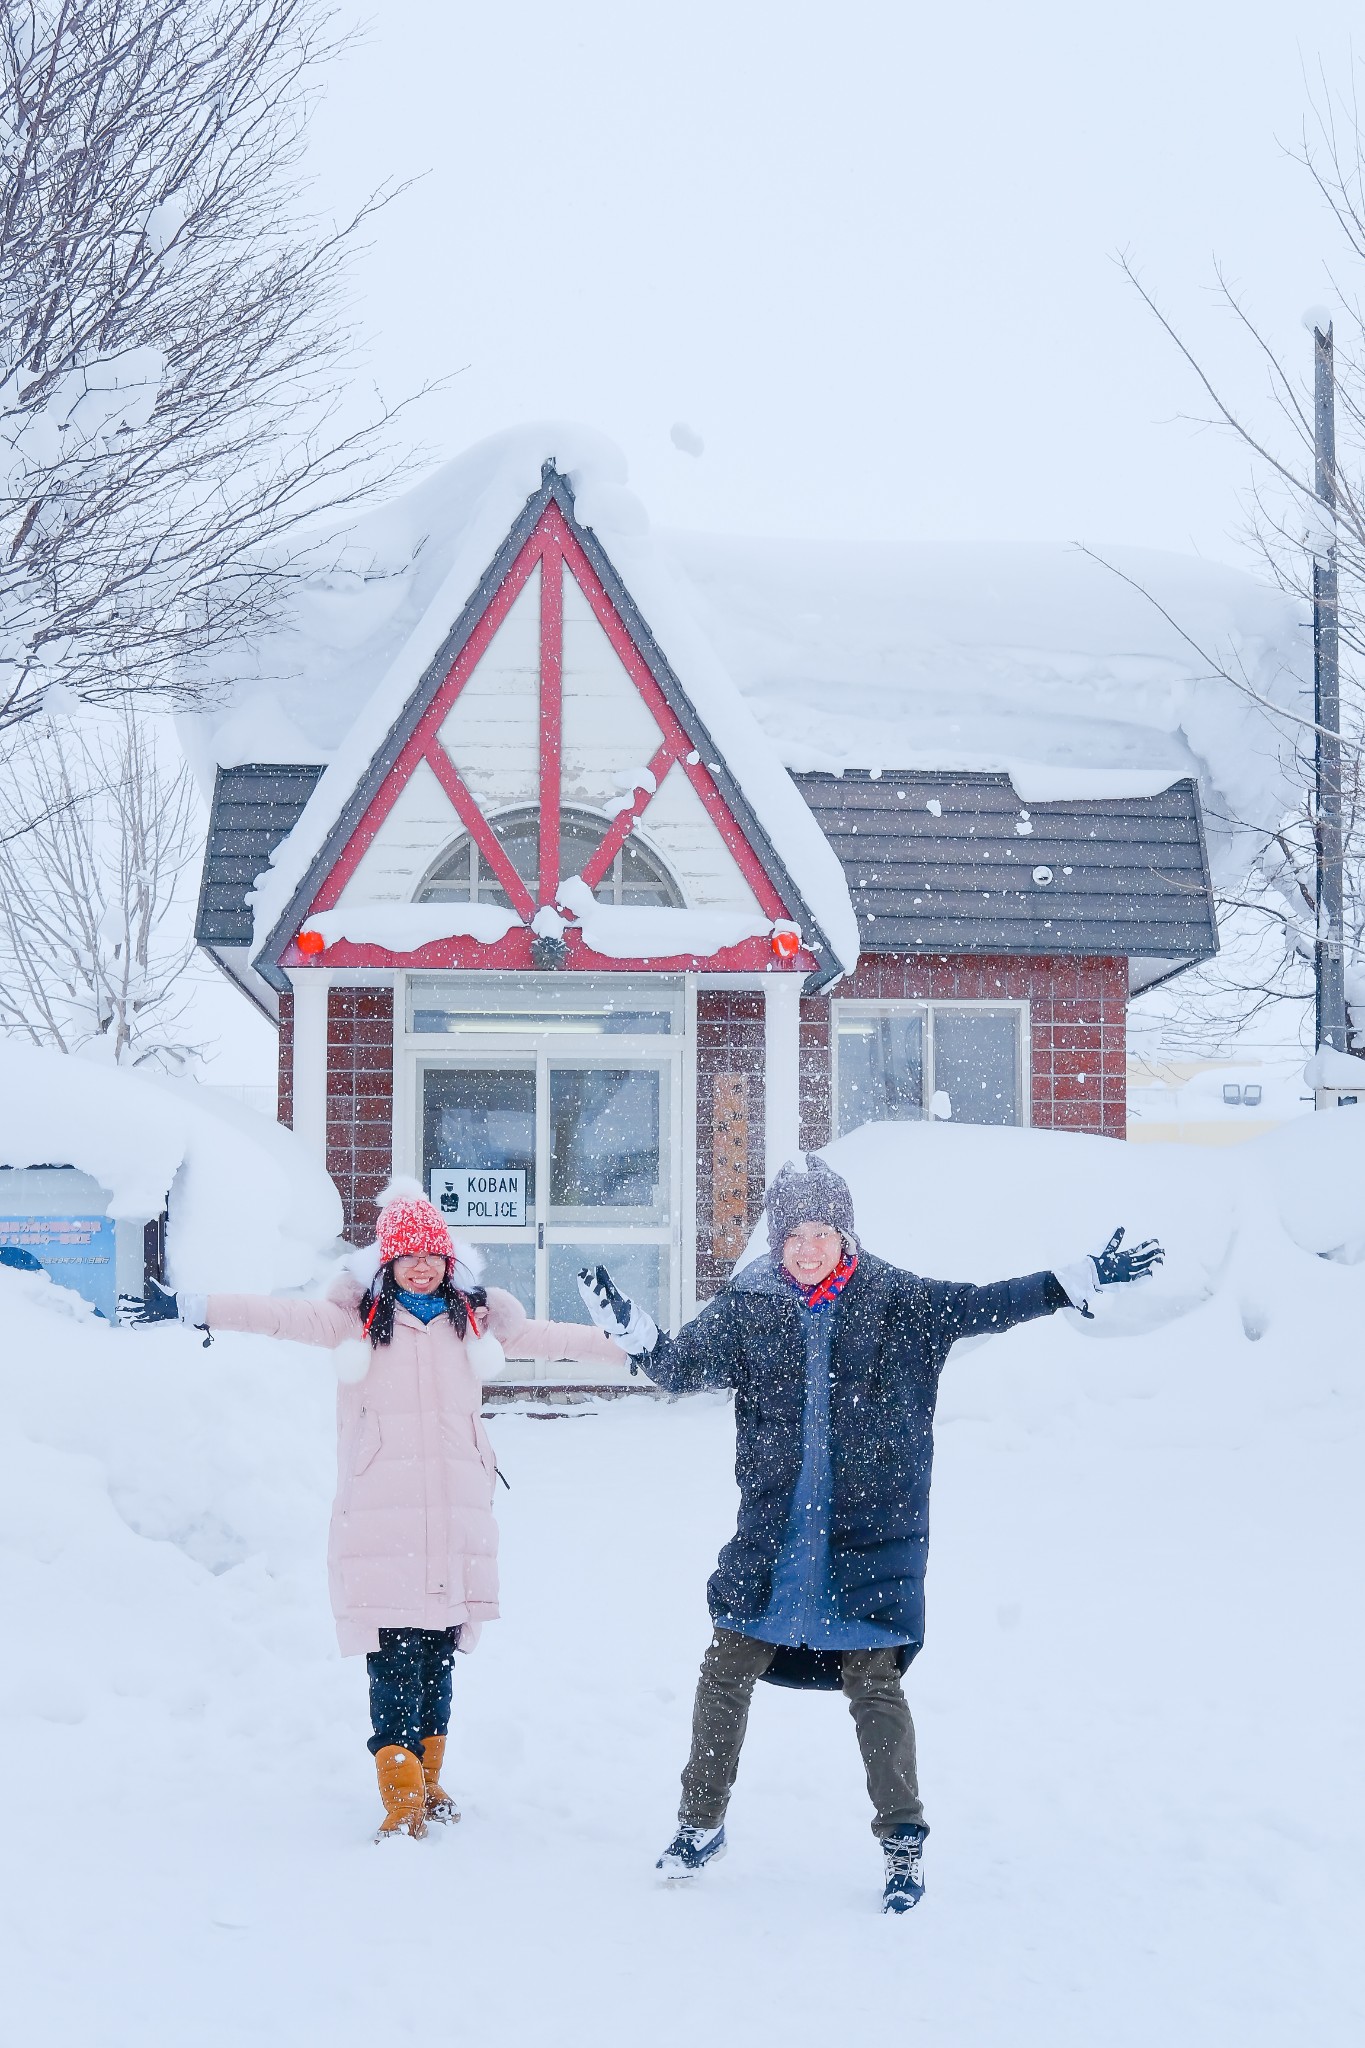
(815, 1194)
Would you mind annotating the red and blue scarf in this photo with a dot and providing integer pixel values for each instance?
(830, 1288)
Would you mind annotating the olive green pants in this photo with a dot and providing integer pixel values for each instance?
(872, 1686)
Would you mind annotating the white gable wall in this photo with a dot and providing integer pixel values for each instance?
(610, 736)
(493, 731)
(422, 823)
(678, 825)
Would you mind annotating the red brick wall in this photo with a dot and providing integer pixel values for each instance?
(1077, 1020)
(359, 1101)
(729, 1042)
(284, 1087)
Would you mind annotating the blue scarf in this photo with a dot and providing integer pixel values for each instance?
(426, 1307)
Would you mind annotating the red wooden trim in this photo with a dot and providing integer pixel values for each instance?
(429, 725)
(615, 838)
(551, 715)
(636, 666)
(554, 545)
(513, 955)
(479, 829)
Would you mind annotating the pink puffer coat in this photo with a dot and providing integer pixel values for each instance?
(413, 1542)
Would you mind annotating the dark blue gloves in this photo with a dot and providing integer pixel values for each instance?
(158, 1305)
(1114, 1267)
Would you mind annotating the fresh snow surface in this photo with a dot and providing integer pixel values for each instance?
(249, 1206)
(1138, 1709)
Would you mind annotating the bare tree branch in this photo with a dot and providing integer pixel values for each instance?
(174, 338)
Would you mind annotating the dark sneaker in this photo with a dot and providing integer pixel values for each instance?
(691, 1849)
(904, 1869)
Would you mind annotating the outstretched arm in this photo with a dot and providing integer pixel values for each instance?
(324, 1323)
(523, 1336)
(703, 1354)
(963, 1310)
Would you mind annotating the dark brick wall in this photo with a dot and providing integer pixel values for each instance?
(729, 1042)
(359, 1101)
(1078, 1010)
(284, 1086)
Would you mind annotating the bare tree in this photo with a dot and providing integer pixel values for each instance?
(99, 823)
(174, 338)
(1273, 910)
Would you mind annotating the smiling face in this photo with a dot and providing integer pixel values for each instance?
(420, 1275)
(812, 1252)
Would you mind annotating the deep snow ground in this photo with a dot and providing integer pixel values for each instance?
(1139, 1712)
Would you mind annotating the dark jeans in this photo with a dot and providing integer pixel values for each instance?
(872, 1687)
(410, 1685)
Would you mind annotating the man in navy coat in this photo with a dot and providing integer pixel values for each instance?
(834, 1358)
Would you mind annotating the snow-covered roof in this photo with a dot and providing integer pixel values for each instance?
(377, 603)
(1036, 660)
(250, 1207)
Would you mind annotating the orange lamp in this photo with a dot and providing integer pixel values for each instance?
(310, 944)
(786, 944)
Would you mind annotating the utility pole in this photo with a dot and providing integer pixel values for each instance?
(1329, 950)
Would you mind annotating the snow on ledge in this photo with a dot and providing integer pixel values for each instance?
(407, 927)
(1329, 1068)
(656, 932)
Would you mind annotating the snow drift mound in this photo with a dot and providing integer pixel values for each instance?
(250, 1208)
(963, 1202)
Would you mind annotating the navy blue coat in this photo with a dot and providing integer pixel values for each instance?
(892, 1332)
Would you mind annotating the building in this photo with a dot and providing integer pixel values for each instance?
(547, 919)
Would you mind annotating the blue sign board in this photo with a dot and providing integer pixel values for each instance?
(77, 1251)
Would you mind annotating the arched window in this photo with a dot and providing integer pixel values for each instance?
(462, 875)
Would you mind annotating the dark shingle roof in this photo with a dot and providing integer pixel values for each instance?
(254, 808)
(1129, 875)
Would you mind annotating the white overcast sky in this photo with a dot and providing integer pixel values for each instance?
(865, 251)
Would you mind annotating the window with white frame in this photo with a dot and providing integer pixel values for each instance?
(900, 1062)
(636, 876)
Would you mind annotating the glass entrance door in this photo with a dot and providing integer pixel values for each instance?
(582, 1146)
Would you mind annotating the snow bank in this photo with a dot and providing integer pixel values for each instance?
(972, 1203)
(1142, 1555)
(249, 1207)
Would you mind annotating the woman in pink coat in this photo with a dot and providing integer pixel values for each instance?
(412, 1554)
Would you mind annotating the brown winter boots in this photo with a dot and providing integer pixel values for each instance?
(440, 1805)
(411, 1789)
(402, 1788)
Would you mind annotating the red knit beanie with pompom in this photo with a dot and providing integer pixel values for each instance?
(410, 1225)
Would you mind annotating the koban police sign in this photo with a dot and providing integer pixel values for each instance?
(482, 1196)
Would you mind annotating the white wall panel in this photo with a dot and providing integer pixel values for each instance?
(422, 823)
(493, 732)
(609, 732)
(690, 842)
